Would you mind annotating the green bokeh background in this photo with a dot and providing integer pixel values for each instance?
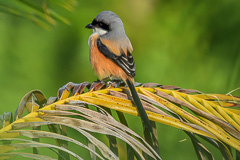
(190, 44)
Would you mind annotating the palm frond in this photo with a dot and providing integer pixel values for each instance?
(197, 114)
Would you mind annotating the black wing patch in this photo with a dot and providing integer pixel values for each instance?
(123, 61)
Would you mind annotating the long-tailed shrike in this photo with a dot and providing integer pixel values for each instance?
(111, 54)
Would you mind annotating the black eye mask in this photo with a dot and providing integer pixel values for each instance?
(100, 25)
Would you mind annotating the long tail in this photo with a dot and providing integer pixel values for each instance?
(139, 105)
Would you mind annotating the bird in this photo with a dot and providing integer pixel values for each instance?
(110, 54)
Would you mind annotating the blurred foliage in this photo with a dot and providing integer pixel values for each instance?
(39, 11)
(191, 44)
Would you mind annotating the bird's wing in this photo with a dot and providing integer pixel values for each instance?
(124, 60)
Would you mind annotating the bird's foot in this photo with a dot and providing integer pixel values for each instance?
(115, 83)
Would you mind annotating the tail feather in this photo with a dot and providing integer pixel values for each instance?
(139, 105)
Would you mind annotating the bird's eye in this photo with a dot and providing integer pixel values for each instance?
(99, 24)
(103, 26)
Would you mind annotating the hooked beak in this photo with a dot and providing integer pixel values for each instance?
(89, 26)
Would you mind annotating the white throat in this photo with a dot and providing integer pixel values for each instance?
(99, 31)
